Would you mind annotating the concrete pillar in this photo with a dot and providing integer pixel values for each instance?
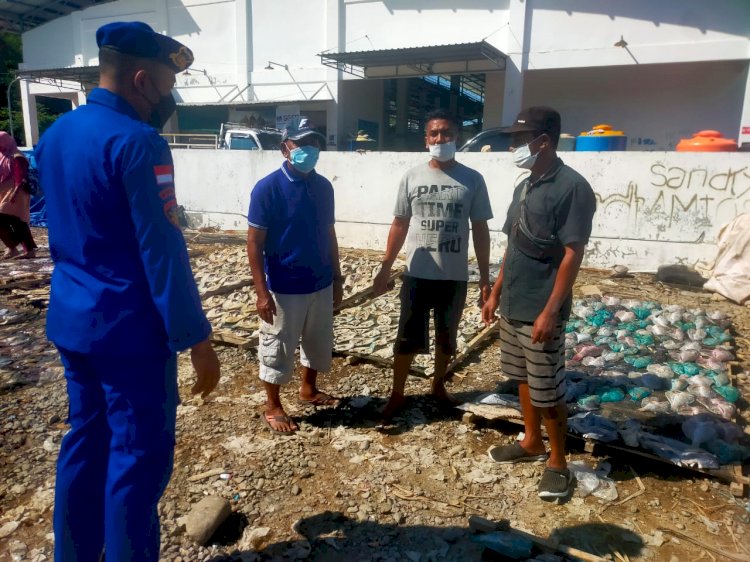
(332, 124)
(335, 41)
(454, 95)
(243, 45)
(78, 99)
(744, 136)
(517, 62)
(30, 121)
(494, 84)
(402, 105)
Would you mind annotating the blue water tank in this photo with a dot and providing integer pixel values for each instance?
(601, 138)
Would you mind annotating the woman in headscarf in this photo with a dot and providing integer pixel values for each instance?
(14, 200)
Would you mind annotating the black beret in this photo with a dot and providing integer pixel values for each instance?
(137, 39)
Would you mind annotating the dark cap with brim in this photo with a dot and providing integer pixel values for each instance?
(299, 128)
(537, 119)
(137, 39)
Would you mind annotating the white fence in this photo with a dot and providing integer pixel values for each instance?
(654, 208)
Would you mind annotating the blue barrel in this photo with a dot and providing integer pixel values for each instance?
(601, 138)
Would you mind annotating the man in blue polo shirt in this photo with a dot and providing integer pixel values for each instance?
(123, 299)
(294, 259)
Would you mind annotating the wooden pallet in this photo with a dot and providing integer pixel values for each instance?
(365, 294)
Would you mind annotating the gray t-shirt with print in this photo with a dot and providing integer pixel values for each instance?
(440, 204)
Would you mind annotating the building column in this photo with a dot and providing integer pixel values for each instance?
(30, 120)
(335, 41)
(494, 84)
(744, 136)
(402, 112)
(517, 62)
(78, 99)
(243, 45)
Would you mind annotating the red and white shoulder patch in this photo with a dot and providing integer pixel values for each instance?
(164, 175)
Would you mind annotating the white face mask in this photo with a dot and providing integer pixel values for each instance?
(522, 156)
(443, 152)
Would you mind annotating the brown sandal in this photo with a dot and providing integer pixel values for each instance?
(279, 418)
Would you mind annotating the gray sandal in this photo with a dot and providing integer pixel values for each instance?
(511, 454)
(555, 483)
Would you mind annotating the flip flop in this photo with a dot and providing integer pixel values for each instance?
(322, 399)
(279, 418)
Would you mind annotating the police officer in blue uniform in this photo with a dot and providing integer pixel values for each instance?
(123, 299)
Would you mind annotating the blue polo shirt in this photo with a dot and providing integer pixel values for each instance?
(296, 212)
(122, 284)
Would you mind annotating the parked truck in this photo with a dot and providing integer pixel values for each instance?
(235, 136)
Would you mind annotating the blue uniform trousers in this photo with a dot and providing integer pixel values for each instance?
(116, 460)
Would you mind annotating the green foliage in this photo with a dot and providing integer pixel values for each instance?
(10, 55)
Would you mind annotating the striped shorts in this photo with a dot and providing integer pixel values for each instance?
(541, 365)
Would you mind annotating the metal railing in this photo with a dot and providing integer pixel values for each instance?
(191, 141)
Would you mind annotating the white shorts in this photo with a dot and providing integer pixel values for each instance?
(304, 321)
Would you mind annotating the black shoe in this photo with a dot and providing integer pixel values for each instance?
(511, 454)
(555, 483)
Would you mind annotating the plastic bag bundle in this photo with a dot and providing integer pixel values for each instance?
(678, 399)
(660, 370)
(720, 354)
(588, 403)
(638, 393)
(595, 362)
(653, 404)
(688, 369)
(592, 481)
(661, 348)
(638, 362)
(729, 393)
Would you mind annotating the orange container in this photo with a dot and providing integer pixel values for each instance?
(707, 141)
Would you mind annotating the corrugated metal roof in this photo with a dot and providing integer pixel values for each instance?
(17, 16)
(83, 74)
(357, 62)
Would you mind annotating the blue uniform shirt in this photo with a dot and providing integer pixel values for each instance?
(297, 213)
(122, 283)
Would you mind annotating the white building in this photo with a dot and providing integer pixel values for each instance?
(659, 71)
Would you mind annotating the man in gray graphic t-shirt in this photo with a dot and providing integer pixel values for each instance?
(436, 201)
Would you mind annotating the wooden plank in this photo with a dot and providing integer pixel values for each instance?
(362, 295)
(228, 288)
(473, 343)
(24, 283)
(382, 361)
(221, 237)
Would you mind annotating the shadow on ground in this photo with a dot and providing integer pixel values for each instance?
(363, 412)
(332, 537)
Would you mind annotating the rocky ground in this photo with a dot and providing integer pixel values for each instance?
(343, 488)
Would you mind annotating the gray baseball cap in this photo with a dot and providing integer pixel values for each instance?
(300, 127)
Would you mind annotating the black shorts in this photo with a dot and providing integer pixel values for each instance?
(418, 298)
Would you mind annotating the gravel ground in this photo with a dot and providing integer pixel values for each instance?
(344, 489)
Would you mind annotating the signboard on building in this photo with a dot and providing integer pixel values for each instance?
(285, 113)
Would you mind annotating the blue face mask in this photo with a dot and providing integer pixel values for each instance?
(304, 158)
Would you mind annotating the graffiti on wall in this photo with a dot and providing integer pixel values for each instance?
(674, 204)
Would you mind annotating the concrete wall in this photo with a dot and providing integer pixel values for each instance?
(654, 208)
(655, 105)
(391, 24)
(573, 33)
